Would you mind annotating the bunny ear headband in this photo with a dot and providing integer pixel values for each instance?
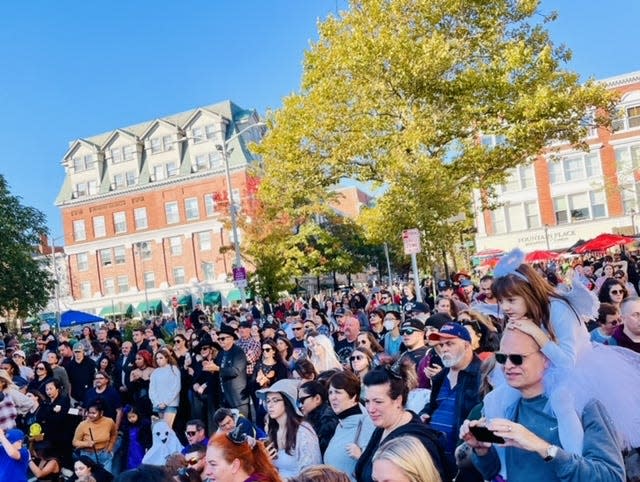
(509, 264)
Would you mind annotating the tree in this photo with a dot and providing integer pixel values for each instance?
(403, 93)
(25, 282)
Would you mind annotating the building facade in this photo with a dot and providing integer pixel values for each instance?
(145, 210)
(571, 194)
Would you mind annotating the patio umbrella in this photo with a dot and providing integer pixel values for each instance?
(540, 256)
(488, 253)
(72, 318)
(603, 242)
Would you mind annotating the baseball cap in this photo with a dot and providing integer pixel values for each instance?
(412, 324)
(438, 320)
(245, 324)
(15, 435)
(19, 353)
(443, 284)
(417, 307)
(450, 331)
(466, 282)
(339, 312)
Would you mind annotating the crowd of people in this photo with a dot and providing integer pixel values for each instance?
(531, 373)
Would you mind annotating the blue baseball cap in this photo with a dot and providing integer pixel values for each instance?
(450, 331)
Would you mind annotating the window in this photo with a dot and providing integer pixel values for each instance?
(120, 222)
(167, 143)
(178, 276)
(86, 188)
(532, 215)
(517, 221)
(85, 289)
(212, 131)
(132, 179)
(215, 160)
(118, 181)
(204, 239)
(628, 118)
(176, 245)
(499, 221)
(579, 206)
(560, 208)
(109, 286)
(575, 168)
(140, 218)
(99, 229)
(79, 232)
(208, 270)
(598, 204)
(149, 280)
(82, 259)
(123, 284)
(129, 152)
(592, 165)
(158, 173)
(83, 163)
(209, 205)
(171, 212)
(105, 257)
(172, 169)
(555, 172)
(202, 161)
(116, 155)
(196, 132)
(156, 145)
(119, 255)
(191, 209)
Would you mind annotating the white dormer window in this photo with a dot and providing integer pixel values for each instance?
(202, 161)
(158, 172)
(172, 169)
(213, 131)
(118, 181)
(167, 143)
(83, 163)
(129, 152)
(86, 188)
(197, 135)
(116, 155)
(156, 145)
(215, 159)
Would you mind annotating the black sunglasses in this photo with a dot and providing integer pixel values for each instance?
(408, 331)
(516, 359)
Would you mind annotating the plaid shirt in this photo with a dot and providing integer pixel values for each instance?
(8, 413)
(253, 350)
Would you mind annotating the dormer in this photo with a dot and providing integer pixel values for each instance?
(205, 130)
(628, 115)
(162, 149)
(122, 147)
(83, 163)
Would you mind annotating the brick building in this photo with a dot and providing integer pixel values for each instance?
(552, 204)
(144, 210)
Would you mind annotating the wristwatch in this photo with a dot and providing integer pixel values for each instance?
(552, 451)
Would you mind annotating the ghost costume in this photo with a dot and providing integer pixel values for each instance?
(165, 443)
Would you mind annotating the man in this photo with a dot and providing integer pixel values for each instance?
(205, 393)
(194, 456)
(139, 341)
(81, 371)
(231, 363)
(227, 420)
(386, 302)
(66, 354)
(350, 329)
(267, 307)
(59, 373)
(197, 317)
(196, 433)
(298, 334)
(412, 331)
(627, 335)
(251, 347)
(534, 451)
(445, 289)
(606, 323)
(419, 311)
(20, 358)
(102, 390)
(269, 328)
(455, 390)
(48, 337)
(485, 302)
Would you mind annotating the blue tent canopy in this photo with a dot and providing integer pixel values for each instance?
(73, 318)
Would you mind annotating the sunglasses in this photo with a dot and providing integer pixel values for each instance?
(616, 292)
(298, 328)
(192, 461)
(40, 368)
(363, 342)
(190, 434)
(408, 332)
(267, 349)
(301, 400)
(613, 322)
(516, 359)
(356, 357)
(222, 338)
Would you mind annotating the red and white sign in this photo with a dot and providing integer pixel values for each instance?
(174, 301)
(411, 241)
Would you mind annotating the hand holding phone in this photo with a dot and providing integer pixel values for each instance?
(483, 434)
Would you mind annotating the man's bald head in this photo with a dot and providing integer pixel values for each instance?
(525, 364)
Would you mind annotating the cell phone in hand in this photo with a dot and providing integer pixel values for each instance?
(483, 434)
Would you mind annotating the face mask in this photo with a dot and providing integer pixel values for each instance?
(389, 324)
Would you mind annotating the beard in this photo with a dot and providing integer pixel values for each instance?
(450, 360)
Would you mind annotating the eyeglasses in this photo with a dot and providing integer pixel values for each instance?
(267, 349)
(40, 368)
(301, 400)
(514, 358)
(190, 434)
(408, 331)
(153, 339)
(298, 328)
(616, 292)
(192, 461)
(356, 357)
(363, 342)
(613, 322)
(270, 401)
(223, 338)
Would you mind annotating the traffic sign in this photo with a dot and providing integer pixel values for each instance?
(240, 277)
(174, 301)
(411, 241)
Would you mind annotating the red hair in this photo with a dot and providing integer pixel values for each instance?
(253, 460)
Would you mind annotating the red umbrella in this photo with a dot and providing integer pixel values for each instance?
(540, 255)
(488, 253)
(603, 242)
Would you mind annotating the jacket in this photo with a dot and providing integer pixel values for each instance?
(233, 376)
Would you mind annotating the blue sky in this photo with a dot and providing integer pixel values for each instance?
(74, 69)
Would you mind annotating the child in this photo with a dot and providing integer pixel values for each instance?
(136, 437)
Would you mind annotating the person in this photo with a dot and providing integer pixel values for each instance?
(608, 319)
(553, 319)
(612, 291)
(412, 331)
(237, 458)
(136, 437)
(304, 370)
(86, 468)
(8, 412)
(194, 456)
(392, 339)
(446, 306)
(146, 473)
(59, 373)
(56, 419)
(81, 371)
(360, 362)
(249, 345)
(455, 390)
(229, 419)
(627, 334)
(111, 402)
(45, 465)
(343, 347)
(377, 328)
(164, 386)
(197, 317)
(387, 391)
(313, 403)
(292, 438)
(320, 473)
(368, 340)
(96, 436)
(323, 356)
(285, 348)
(404, 459)
(14, 458)
(354, 427)
(534, 447)
(139, 381)
(231, 363)
(20, 358)
(196, 432)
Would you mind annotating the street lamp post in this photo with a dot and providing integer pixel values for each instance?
(57, 279)
(546, 235)
(633, 215)
(142, 248)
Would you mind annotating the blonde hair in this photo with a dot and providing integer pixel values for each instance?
(409, 455)
(328, 360)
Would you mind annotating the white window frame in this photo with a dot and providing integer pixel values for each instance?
(79, 230)
(176, 245)
(82, 261)
(149, 280)
(85, 289)
(209, 205)
(119, 254)
(106, 257)
(129, 152)
(122, 283)
(120, 222)
(99, 227)
(140, 219)
(205, 240)
(109, 286)
(172, 212)
(191, 209)
(179, 277)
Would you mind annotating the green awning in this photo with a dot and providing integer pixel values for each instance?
(186, 301)
(234, 295)
(154, 306)
(114, 310)
(212, 298)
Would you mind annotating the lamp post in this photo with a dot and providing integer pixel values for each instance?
(546, 235)
(142, 247)
(57, 279)
(633, 214)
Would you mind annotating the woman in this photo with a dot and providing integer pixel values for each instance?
(404, 460)
(313, 403)
(323, 356)
(7, 404)
(105, 363)
(267, 371)
(361, 361)
(185, 364)
(36, 412)
(87, 339)
(612, 291)
(369, 341)
(304, 370)
(376, 319)
(238, 458)
(392, 339)
(56, 427)
(140, 378)
(354, 427)
(44, 373)
(607, 273)
(164, 386)
(96, 435)
(294, 440)
(623, 278)
(45, 466)
(608, 319)
(285, 349)
(387, 392)
(446, 306)
(86, 467)
(9, 366)
(321, 473)
(113, 333)
(485, 339)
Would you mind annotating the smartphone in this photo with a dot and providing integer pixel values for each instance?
(483, 434)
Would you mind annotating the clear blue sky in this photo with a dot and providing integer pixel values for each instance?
(74, 69)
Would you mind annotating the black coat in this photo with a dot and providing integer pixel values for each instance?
(233, 376)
